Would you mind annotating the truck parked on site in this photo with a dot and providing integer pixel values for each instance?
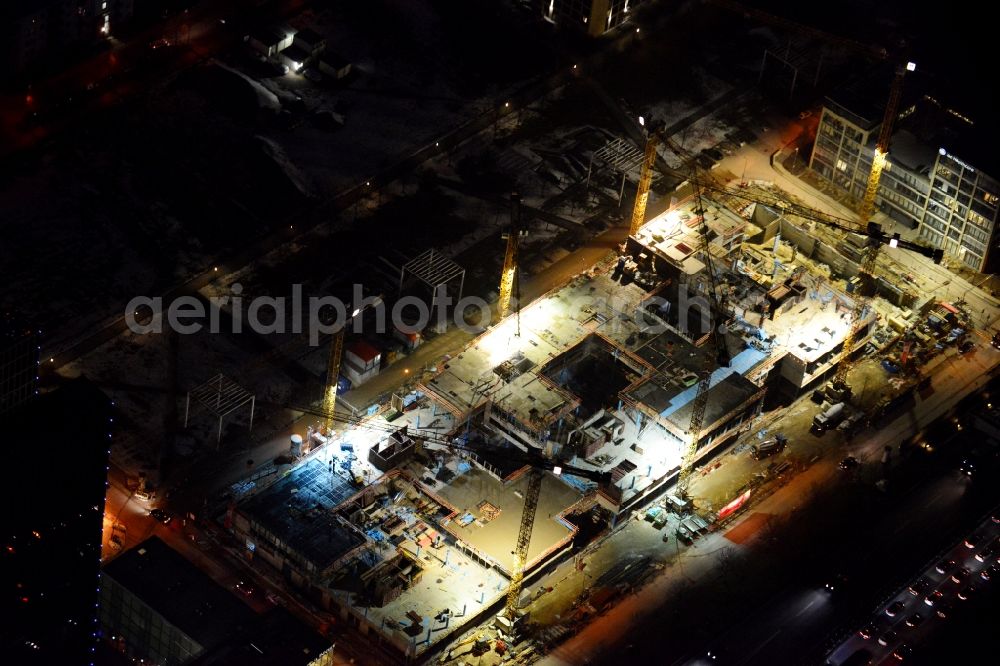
(829, 417)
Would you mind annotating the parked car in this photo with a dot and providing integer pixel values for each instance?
(934, 597)
(887, 638)
(890, 366)
(944, 566)
(990, 572)
(966, 592)
(867, 631)
(960, 575)
(902, 652)
(990, 552)
(160, 515)
(920, 587)
(914, 620)
(894, 609)
(972, 541)
(850, 462)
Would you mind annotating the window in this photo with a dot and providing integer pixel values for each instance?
(842, 165)
(990, 198)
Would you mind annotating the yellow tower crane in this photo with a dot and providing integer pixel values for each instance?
(720, 359)
(645, 180)
(538, 465)
(867, 275)
(523, 541)
(332, 379)
(509, 272)
(333, 364)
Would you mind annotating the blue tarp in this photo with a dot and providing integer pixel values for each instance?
(581, 484)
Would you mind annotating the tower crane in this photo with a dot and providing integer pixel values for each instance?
(871, 251)
(721, 358)
(508, 276)
(645, 179)
(333, 365)
(866, 227)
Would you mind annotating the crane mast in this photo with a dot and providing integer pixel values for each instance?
(645, 179)
(509, 272)
(705, 377)
(523, 541)
(870, 257)
(332, 379)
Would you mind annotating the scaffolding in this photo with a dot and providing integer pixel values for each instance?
(435, 270)
(618, 155)
(221, 396)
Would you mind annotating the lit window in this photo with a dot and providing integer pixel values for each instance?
(104, 5)
(990, 198)
(842, 165)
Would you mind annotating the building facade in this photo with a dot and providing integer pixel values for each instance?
(925, 184)
(594, 17)
(18, 367)
(37, 29)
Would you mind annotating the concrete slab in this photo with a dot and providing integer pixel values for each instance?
(496, 538)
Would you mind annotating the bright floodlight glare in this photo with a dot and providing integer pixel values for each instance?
(894, 242)
(911, 66)
(642, 121)
(557, 470)
(355, 313)
(673, 220)
(942, 151)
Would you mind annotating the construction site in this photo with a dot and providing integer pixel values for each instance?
(649, 314)
(575, 411)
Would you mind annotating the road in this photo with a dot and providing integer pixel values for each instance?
(915, 618)
(611, 633)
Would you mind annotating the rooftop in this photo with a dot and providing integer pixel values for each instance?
(298, 510)
(488, 514)
(275, 639)
(936, 121)
(180, 592)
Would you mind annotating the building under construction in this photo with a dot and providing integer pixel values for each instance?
(600, 374)
(603, 371)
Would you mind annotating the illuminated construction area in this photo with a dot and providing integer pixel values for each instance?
(405, 524)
